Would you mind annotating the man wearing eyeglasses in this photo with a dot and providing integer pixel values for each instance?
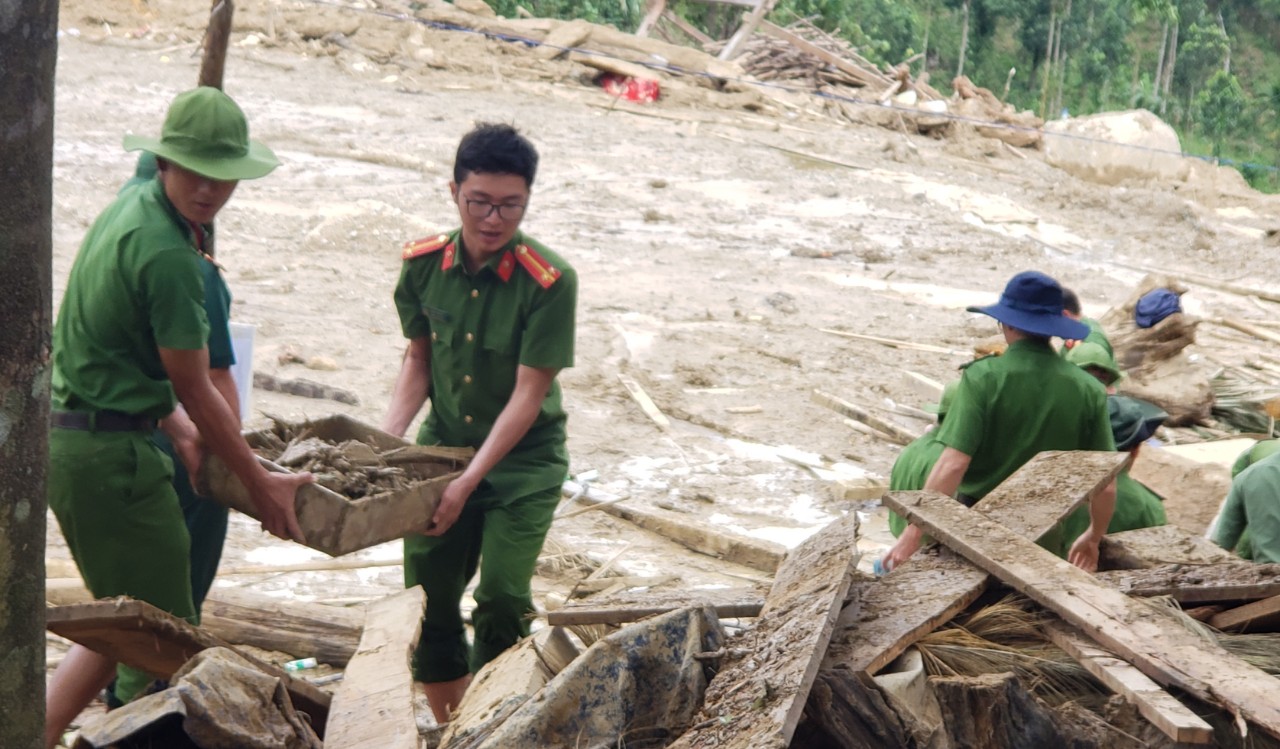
(489, 314)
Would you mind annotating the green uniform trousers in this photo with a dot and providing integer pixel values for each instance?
(112, 493)
(502, 538)
(206, 522)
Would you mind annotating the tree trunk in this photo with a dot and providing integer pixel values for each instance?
(29, 41)
(964, 38)
(1168, 68)
(1226, 61)
(1164, 44)
(1062, 58)
(1048, 60)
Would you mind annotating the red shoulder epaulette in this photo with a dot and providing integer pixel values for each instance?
(424, 246)
(543, 272)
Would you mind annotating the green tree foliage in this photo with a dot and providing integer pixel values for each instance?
(1220, 108)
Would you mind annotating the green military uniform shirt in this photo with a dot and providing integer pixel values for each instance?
(1260, 450)
(911, 470)
(1008, 408)
(1253, 503)
(1136, 507)
(518, 309)
(1096, 335)
(135, 287)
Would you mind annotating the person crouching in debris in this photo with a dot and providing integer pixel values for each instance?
(1253, 505)
(911, 470)
(131, 334)
(1009, 408)
(490, 317)
(1133, 421)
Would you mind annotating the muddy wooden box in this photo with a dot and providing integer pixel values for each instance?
(334, 522)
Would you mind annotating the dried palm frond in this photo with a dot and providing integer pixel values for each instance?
(1243, 404)
(558, 558)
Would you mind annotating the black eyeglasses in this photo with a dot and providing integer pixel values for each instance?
(485, 209)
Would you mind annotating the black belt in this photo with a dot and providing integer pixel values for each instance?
(102, 421)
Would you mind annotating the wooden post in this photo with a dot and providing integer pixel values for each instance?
(744, 31)
(216, 37)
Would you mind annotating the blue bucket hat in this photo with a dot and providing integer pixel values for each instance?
(1032, 302)
(1154, 306)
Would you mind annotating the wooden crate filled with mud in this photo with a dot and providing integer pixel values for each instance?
(370, 487)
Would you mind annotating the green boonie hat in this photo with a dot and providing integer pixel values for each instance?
(1089, 354)
(206, 132)
(1133, 420)
(948, 397)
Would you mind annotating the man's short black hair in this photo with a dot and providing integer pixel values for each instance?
(1070, 302)
(494, 148)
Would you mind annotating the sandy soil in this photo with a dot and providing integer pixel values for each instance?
(699, 245)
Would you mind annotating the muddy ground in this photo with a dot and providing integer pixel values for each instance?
(710, 260)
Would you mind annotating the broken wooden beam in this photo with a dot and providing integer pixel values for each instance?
(1259, 616)
(498, 690)
(142, 636)
(1145, 635)
(373, 707)
(845, 408)
(788, 643)
(1173, 718)
(1236, 580)
(329, 634)
(929, 589)
(851, 69)
(700, 537)
(642, 399)
(633, 606)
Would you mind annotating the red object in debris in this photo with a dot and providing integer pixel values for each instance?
(641, 90)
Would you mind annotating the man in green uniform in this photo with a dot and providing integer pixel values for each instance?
(205, 519)
(1008, 408)
(490, 316)
(1133, 421)
(1260, 449)
(1253, 504)
(1072, 309)
(911, 469)
(131, 336)
(1094, 359)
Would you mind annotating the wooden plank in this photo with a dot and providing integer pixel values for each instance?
(498, 690)
(845, 408)
(928, 590)
(1259, 616)
(1229, 581)
(1163, 544)
(1173, 718)
(787, 642)
(142, 636)
(646, 403)
(373, 707)
(696, 34)
(625, 607)
(1147, 636)
(894, 343)
(239, 616)
(700, 537)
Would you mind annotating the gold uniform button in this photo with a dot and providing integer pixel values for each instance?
(467, 418)
(475, 293)
(470, 337)
(466, 379)
(522, 250)
(434, 336)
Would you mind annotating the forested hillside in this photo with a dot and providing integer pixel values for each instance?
(1211, 68)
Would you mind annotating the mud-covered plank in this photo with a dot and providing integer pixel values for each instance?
(142, 636)
(1173, 718)
(757, 701)
(1230, 581)
(373, 707)
(1146, 635)
(1151, 547)
(631, 606)
(1259, 616)
(932, 587)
